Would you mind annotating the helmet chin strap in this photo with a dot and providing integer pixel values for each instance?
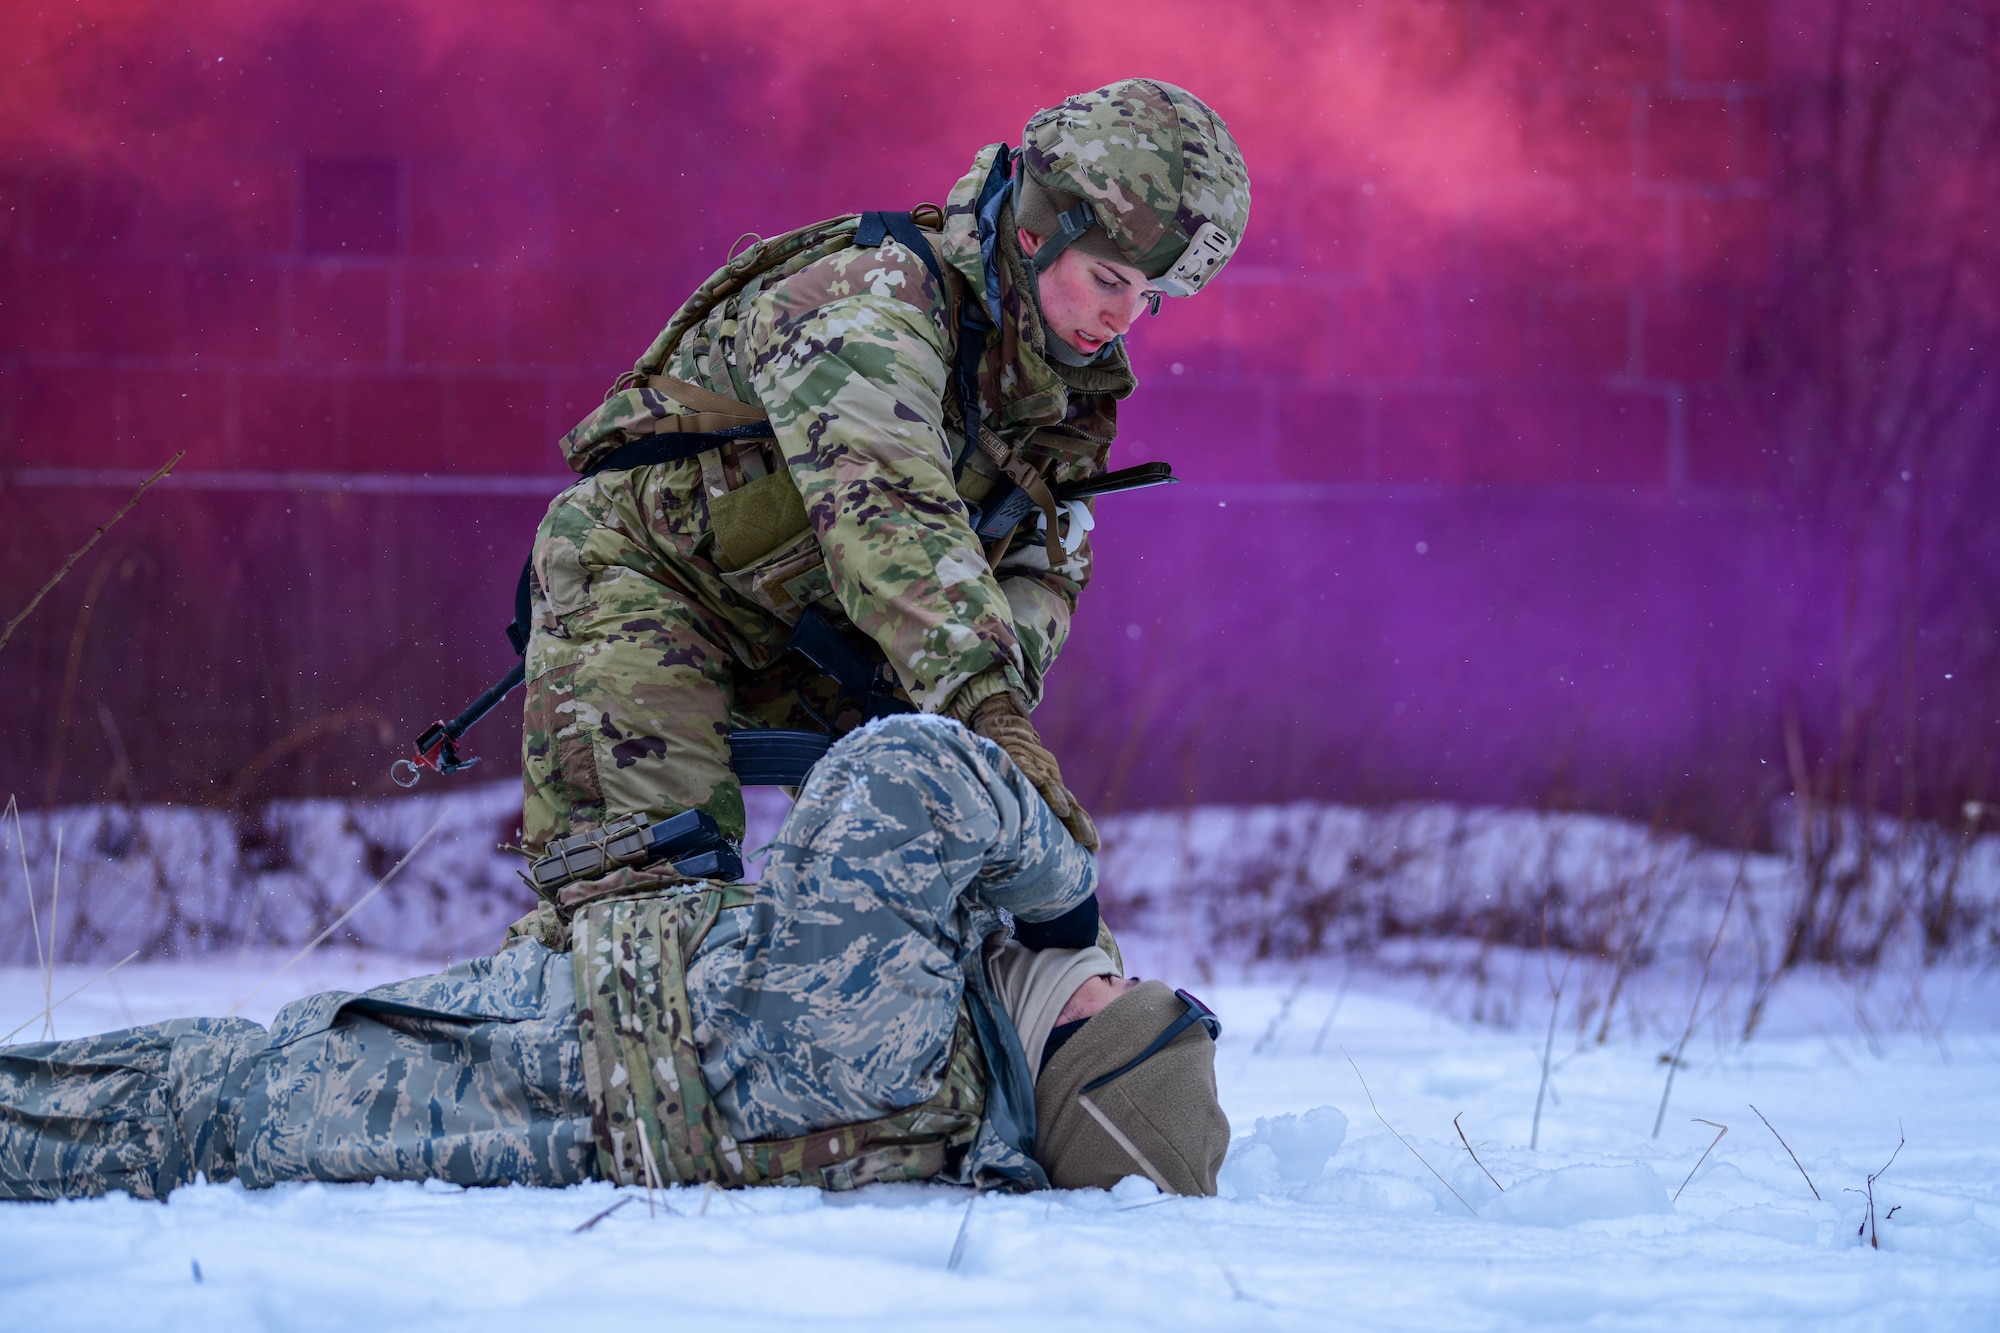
(1069, 226)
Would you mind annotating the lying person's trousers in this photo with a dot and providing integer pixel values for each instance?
(488, 1091)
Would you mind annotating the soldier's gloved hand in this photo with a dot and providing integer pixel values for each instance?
(1002, 720)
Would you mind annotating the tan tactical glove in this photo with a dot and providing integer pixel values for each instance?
(1001, 719)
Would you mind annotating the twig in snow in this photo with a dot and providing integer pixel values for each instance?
(49, 973)
(1720, 1130)
(1694, 1009)
(1788, 1150)
(964, 1230)
(73, 994)
(1473, 1155)
(652, 1168)
(1399, 1138)
(601, 1216)
(28, 885)
(711, 1190)
(84, 549)
(1235, 1288)
(1278, 1019)
(1160, 1182)
(1548, 1047)
(1874, 1235)
(1326, 1026)
(341, 920)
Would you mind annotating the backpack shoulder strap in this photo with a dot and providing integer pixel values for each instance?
(903, 227)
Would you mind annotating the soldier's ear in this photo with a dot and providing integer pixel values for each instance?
(1029, 241)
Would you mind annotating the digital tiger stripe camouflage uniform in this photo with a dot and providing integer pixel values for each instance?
(830, 998)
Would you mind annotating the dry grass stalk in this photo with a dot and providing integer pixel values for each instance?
(1473, 1155)
(601, 1216)
(340, 920)
(1333, 1011)
(652, 1168)
(964, 1230)
(1868, 1226)
(1236, 1291)
(1548, 1048)
(72, 995)
(711, 1190)
(43, 962)
(1270, 1033)
(1720, 1130)
(49, 972)
(1399, 1138)
(298, 738)
(73, 674)
(1160, 1182)
(1788, 1151)
(1694, 1009)
(84, 549)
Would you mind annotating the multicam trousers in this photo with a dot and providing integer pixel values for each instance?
(642, 660)
(473, 1075)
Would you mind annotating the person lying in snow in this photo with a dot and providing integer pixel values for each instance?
(858, 1015)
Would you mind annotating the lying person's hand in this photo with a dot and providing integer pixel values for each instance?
(1002, 720)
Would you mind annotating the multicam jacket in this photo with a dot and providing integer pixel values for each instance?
(858, 505)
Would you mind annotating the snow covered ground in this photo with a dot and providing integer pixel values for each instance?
(1328, 1220)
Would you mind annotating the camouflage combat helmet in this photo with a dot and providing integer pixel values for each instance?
(1139, 171)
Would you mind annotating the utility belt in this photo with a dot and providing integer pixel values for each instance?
(691, 842)
(654, 1120)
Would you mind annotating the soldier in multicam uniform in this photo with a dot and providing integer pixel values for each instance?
(859, 1015)
(862, 1013)
(904, 386)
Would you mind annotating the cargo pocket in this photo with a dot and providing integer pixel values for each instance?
(767, 551)
(565, 584)
(561, 757)
(756, 519)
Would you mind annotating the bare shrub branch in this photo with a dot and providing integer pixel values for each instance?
(84, 549)
(340, 920)
(1674, 1063)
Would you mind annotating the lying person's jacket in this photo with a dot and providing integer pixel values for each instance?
(835, 1027)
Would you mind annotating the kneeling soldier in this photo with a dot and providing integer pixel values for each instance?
(858, 1015)
(864, 420)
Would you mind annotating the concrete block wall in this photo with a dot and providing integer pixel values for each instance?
(1502, 281)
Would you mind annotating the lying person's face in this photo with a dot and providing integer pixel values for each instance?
(1088, 301)
(1092, 996)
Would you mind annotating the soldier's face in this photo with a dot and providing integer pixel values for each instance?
(1089, 999)
(1088, 301)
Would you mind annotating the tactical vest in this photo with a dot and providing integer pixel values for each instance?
(652, 1116)
(763, 544)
